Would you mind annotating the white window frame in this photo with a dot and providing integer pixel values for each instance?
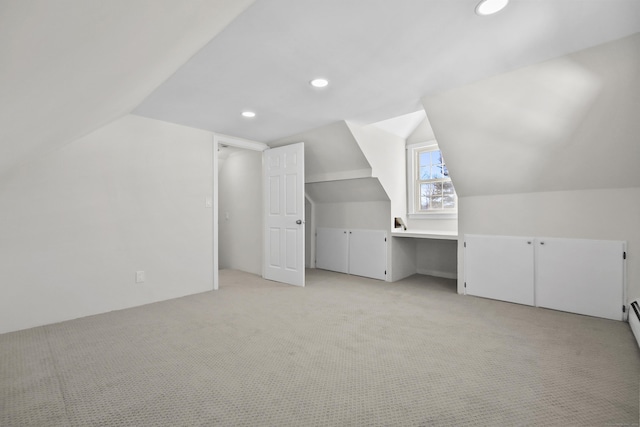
(412, 188)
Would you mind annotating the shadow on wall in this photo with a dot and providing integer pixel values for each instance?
(514, 125)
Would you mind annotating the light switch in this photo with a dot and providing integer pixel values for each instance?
(208, 202)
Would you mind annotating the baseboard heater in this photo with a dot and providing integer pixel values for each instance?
(634, 319)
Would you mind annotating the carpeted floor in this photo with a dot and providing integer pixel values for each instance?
(344, 351)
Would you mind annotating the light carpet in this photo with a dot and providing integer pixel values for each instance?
(343, 351)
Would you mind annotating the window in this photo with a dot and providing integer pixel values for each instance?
(431, 192)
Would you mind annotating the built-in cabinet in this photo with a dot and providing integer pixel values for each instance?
(332, 249)
(358, 252)
(499, 268)
(575, 275)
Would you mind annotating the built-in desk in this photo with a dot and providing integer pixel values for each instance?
(420, 234)
(434, 252)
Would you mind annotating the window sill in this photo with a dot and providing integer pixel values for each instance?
(435, 215)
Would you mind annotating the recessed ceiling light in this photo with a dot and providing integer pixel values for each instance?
(248, 114)
(319, 83)
(489, 7)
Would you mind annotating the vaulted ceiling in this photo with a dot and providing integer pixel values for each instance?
(71, 66)
(380, 56)
(570, 123)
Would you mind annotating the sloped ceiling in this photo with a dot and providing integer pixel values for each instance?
(71, 66)
(347, 191)
(330, 153)
(571, 123)
(404, 125)
(381, 57)
(422, 133)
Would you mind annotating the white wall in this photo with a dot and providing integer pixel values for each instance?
(357, 215)
(437, 258)
(76, 224)
(71, 67)
(386, 154)
(403, 258)
(570, 123)
(585, 214)
(424, 132)
(347, 190)
(434, 225)
(240, 212)
(330, 153)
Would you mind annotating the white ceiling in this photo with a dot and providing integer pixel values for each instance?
(381, 57)
(72, 66)
(68, 67)
(403, 125)
(551, 126)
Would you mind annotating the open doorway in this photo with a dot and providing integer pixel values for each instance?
(239, 210)
(259, 195)
(237, 202)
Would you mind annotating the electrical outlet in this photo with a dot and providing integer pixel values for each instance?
(140, 276)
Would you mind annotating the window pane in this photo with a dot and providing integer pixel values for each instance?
(424, 203)
(436, 157)
(449, 202)
(447, 188)
(424, 173)
(436, 202)
(436, 189)
(424, 159)
(437, 172)
(424, 196)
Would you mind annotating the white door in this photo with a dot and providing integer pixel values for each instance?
(581, 276)
(368, 253)
(283, 177)
(499, 267)
(332, 249)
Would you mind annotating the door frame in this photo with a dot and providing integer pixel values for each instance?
(231, 141)
(311, 221)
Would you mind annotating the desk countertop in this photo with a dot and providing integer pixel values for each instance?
(425, 234)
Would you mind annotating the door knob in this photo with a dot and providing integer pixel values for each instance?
(299, 222)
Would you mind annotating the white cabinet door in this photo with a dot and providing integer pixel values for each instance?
(499, 267)
(332, 249)
(368, 253)
(581, 276)
(358, 252)
(283, 176)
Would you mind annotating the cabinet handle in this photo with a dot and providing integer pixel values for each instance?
(542, 243)
(528, 242)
